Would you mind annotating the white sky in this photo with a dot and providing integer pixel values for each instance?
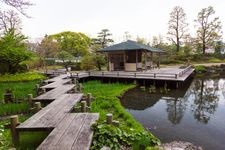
(144, 18)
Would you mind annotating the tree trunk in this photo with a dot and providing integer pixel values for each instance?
(203, 47)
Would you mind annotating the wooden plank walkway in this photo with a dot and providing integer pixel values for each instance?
(73, 133)
(48, 117)
(69, 130)
(172, 74)
(56, 84)
(54, 93)
(55, 79)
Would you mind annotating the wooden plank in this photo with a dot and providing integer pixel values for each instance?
(71, 133)
(60, 77)
(84, 138)
(74, 129)
(52, 114)
(56, 83)
(55, 93)
(59, 112)
(53, 138)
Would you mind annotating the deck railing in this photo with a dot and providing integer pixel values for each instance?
(132, 74)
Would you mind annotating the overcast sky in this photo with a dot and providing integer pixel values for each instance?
(143, 18)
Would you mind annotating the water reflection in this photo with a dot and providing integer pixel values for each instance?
(205, 99)
(194, 113)
(175, 110)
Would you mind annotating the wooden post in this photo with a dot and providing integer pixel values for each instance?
(14, 121)
(73, 81)
(80, 87)
(43, 90)
(83, 106)
(8, 97)
(75, 89)
(109, 118)
(37, 106)
(37, 89)
(89, 99)
(30, 98)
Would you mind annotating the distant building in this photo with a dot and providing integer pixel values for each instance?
(131, 56)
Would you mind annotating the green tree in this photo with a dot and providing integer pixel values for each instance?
(48, 48)
(98, 57)
(87, 62)
(66, 57)
(13, 51)
(177, 26)
(209, 28)
(218, 47)
(75, 43)
(103, 38)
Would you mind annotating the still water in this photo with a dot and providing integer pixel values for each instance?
(195, 113)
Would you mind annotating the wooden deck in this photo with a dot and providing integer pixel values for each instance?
(54, 93)
(73, 133)
(172, 74)
(49, 116)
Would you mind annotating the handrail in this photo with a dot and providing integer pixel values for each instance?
(133, 74)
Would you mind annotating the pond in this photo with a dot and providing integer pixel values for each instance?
(195, 113)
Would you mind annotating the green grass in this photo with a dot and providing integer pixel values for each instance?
(107, 101)
(21, 77)
(20, 89)
(28, 140)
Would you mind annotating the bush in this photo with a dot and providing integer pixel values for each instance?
(87, 63)
(200, 69)
(20, 77)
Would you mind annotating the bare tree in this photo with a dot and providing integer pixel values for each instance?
(20, 5)
(9, 20)
(209, 28)
(177, 26)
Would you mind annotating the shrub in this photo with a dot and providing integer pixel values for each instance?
(200, 69)
(21, 77)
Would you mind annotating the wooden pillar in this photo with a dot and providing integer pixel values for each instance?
(158, 65)
(151, 60)
(145, 60)
(14, 121)
(136, 59)
(124, 59)
(109, 66)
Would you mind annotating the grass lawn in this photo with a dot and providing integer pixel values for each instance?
(129, 130)
(21, 84)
